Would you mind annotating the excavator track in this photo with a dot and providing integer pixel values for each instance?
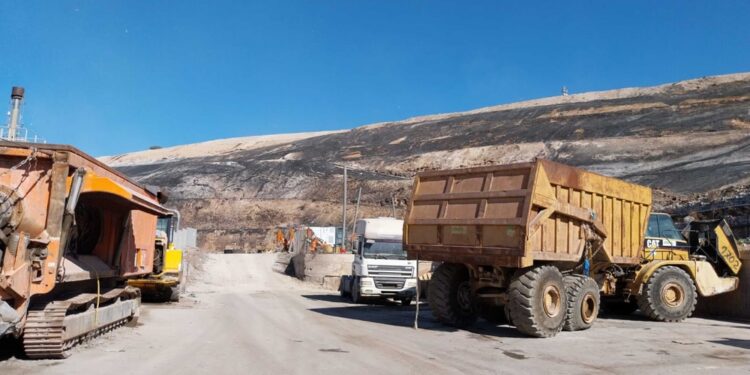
(51, 331)
(44, 332)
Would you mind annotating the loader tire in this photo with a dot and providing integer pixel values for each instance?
(494, 314)
(669, 295)
(450, 296)
(538, 302)
(583, 302)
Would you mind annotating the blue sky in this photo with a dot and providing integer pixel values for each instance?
(117, 76)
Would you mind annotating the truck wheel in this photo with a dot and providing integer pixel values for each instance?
(406, 302)
(356, 298)
(450, 296)
(342, 288)
(494, 314)
(669, 295)
(583, 302)
(537, 301)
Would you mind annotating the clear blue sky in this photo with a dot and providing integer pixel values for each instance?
(117, 76)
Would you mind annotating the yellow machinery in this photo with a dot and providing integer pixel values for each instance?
(164, 283)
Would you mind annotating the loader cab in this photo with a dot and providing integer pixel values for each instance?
(663, 240)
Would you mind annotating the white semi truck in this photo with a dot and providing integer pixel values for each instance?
(380, 268)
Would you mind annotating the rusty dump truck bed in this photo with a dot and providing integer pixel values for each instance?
(513, 215)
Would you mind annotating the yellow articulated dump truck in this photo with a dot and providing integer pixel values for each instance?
(542, 244)
(163, 284)
(72, 232)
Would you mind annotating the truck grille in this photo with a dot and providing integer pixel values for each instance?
(389, 283)
(392, 271)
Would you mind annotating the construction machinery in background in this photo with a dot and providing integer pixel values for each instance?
(164, 283)
(72, 232)
(542, 244)
(380, 268)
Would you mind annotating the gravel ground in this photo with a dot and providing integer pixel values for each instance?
(238, 317)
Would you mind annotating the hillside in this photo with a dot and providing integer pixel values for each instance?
(687, 139)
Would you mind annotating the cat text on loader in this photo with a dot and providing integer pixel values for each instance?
(72, 231)
(542, 243)
(164, 283)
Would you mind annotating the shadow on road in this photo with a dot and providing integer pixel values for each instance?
(739, 343)
(391, 313)
(10, 348)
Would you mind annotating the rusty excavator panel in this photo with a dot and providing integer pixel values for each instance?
(70, 228)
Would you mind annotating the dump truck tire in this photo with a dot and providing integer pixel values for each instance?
(669, 295)
(494, 314)
(583, 302)
(450, 296)
(538, 302)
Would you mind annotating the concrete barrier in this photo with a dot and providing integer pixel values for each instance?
(322, 269)
(326, 269)
(319, 268)
(733, 305)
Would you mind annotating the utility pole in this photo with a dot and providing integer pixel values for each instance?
(356, 209)
(343, 215)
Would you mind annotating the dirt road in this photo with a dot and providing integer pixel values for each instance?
(241, 318)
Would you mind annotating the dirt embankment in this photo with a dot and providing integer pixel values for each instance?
(689, 140)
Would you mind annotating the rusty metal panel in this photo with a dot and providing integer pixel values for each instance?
(522, 212)
(36, 181)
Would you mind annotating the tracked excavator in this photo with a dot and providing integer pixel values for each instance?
(72, 232)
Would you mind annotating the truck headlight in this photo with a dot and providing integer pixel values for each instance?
(411, 282)
(366, 282)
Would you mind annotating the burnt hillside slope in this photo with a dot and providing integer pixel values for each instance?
(688, 138)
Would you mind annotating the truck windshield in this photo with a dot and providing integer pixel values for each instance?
(384, 250)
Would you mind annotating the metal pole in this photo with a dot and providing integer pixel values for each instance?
(16, 96)
(356, 209)
(416, 311)
(343, 215)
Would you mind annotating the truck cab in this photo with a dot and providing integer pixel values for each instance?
(380, 268)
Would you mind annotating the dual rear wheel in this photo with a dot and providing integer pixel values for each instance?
(541, 302)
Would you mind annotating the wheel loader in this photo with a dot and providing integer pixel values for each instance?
(541, 245)
(72, 232)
